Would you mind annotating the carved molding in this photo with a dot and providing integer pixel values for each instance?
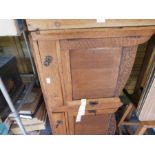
(102, 42)
(126, 64)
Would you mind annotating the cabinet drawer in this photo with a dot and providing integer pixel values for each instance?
(96, 125)
(92, 104)
(59, 124)
(99, 103)
(93, 124)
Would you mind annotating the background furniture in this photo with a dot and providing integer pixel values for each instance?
(142, 126)
(135, 97)
(143, 99)
(82, 61)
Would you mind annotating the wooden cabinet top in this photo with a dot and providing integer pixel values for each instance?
(49, 24)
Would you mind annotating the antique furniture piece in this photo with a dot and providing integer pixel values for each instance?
(83, 59)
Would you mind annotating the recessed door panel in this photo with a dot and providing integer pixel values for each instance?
(94, 72)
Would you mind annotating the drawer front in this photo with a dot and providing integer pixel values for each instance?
(102, 104)
(96, 104)
(59, 124)
(99, 118)
(93, 124)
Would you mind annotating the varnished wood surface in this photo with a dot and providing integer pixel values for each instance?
(46, 24)
(76, 44)
(37, 59)
(92, 74)
(87, 63)
(126, 64)
(53, 89)
(66, 73)
(87, 71)
(92, 124)
(105, 103)
(94, 33)
(59, 129)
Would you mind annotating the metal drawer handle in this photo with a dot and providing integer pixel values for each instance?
(92, 111)
(93, 103)
(58, 123)
(47, 60)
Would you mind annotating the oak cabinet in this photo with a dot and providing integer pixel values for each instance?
(92, 63)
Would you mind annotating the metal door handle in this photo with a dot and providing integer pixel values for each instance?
(92, 111)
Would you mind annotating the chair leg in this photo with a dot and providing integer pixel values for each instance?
(141, 130)
(126, 113)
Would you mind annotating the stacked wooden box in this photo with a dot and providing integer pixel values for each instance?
(32, 113)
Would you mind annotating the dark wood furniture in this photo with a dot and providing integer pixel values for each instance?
(76, 60)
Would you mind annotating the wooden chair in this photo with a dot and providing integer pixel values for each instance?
(142, 125)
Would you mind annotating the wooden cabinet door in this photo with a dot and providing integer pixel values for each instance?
(89, 72)
(93, 123)
(92, 69)
(96, 68)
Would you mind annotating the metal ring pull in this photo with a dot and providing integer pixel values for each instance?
(48, 60)
(58, 123)
(93, 103)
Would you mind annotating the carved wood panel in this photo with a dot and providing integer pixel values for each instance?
(127, 61)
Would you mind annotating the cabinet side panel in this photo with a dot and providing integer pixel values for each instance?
(49, 99)
(35, 52)
(50, 73)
